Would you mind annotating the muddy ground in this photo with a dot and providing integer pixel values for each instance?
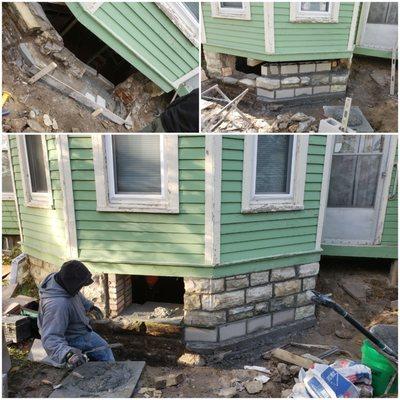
(368, 87)
(27, 379)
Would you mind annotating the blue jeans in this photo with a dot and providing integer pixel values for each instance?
(90, 341)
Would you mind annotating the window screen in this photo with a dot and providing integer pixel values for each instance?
(193, 7)
(7, 183)
(314, 6)
(383, 13)
(37, 168)
(355, 171)
(137, 164)
(231, 4)
(274, 160)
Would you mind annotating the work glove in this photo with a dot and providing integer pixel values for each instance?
(96, 313)
(75, 358)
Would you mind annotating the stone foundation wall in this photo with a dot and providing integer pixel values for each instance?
(226, 310)
(284, 81)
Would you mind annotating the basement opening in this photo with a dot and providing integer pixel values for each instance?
(151, 299)
(86, 46)
(241, 65)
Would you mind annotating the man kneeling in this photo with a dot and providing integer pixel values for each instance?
(63, 322)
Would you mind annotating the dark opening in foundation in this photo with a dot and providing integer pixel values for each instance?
(87, 46)
(241, 65)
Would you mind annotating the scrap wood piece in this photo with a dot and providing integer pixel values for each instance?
(291, 358)
(44, 71)
(311, 346)
(393, 71)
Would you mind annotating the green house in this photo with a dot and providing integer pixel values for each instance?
(291, 50)
(227, 227)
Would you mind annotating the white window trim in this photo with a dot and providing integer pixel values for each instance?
(274, 202)
(330, 17)
(167, 202)
(231, 13)
(183, 19)
(39, 200)
(269, 27)
(7, 195)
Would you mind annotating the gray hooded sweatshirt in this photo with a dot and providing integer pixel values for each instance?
(61, 317)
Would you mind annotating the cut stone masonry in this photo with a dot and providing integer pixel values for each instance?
(227, 310)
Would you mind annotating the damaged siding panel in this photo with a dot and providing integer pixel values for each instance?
(144, 36)
(43, 230)
(298, 38)
(9, 218)
(263, 235)
(135, 238)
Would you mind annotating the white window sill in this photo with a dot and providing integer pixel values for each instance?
(8, 196)
(271, 207)
(39, 204)
(158, 208)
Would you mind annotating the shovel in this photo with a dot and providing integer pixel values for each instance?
(326, 301)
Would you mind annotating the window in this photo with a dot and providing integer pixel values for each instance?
(231, 10)
(383, 13)
(274, 168)
(137, 173)
(35, 172)
(318, 12)
(355, 170)
(7, 192)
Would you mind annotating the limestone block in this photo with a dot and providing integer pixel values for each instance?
(280, 303)
(200, 335)
(258, 293)
(320, 79)
(259, 278)
(305, 311)
(287, 287)
(204, 285)
(232, 330)
(282, 274)
(192, 301)
(338, 88)
(307, 270)
(237, 282)
(204, 318)
(268, 83)
(220, 301)
(290, 81)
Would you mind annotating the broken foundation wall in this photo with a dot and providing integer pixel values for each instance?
(222, 312)
(283, 81)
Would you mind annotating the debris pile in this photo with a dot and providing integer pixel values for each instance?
(31, 121)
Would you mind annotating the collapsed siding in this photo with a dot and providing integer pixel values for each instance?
(9, 218)
(293, 41)
(140, 238)
(131, 28)
(263, 235)
(43, 230)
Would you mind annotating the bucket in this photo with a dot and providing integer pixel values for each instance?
(381, 368)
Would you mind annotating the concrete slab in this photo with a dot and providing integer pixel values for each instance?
(143, 313)
(357, 121)
(102, 379)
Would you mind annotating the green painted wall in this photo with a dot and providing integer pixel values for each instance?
(43, 232)
(137, 239)
(262, 235)
(141, 28)
(293, 41)
(372, 53)
(9, 218)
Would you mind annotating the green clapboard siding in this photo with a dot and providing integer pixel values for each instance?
(265, 235)
(9, 218)
(43, 230)
(293, 41)
(140, 238)
(142, 34)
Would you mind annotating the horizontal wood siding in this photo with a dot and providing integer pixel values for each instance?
(293, 41)
(269, 234)
(43, 232)
(142, 28)
(136, 238)
(298, 38)
(9, 218)
(390, 227)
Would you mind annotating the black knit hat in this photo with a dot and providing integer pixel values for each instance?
(73, 276)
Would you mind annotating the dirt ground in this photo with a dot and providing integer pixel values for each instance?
(27, 379)
(368, 87)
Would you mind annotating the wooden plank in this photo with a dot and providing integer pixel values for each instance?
(291, 358)
(46, 70)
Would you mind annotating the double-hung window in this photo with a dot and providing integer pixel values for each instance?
(311, 11)
(137, 173)
(35, 170)
(7, 191)
(274, 169)
(231, 10)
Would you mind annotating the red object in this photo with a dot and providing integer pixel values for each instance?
(151, 280)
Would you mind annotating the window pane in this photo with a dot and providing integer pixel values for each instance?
(231, 4)
(7, 183)
(378, 13)
(342, 181)
(274, 158)
(314, 6)
(37, 169)
(137, 164)
(193, 7)
(346, 144)
(392, 16)
(372, 144)
(367, 180)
